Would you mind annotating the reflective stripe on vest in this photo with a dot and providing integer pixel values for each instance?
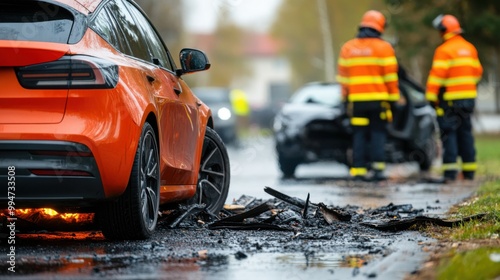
(378, 166)
(456, 68)
(358, 171)
(360, 121)
(469, 166)
(450, 166)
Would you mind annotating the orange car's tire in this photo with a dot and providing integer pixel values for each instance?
(135, 213)
(214, 175)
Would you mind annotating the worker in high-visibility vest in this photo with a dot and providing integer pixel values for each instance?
(242, 110)
(367, 71)
(239, 102)
(452, 89)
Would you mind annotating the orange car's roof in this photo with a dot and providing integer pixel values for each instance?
(84, 6)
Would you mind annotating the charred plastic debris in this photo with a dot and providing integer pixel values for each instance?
(286, 213)
(307, 219)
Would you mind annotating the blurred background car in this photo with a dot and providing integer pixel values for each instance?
(218, 99)
(313, 126)
(97, 118)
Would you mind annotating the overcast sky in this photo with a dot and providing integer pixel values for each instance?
(202, 14)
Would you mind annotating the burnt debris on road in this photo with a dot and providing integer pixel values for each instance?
(281, 213)
(286, 213)
(249, 227)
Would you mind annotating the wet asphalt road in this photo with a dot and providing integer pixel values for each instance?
(197, 253)
(254, 166)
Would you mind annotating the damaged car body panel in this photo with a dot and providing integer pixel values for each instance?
(314, 126)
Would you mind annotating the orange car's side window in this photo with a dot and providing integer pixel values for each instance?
(157, 50)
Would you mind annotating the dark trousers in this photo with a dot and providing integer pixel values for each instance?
(368, 138)
(458, 140)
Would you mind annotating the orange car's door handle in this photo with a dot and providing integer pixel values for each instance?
(177, 87)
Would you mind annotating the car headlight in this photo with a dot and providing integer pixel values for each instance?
(224, 114)
(281, 122)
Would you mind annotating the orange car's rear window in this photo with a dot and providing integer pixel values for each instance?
(35, 21)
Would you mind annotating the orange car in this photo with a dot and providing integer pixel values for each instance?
(95, 117)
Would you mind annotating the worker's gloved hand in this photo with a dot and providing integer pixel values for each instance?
(387, 108)
(439, 111)
(390, 110)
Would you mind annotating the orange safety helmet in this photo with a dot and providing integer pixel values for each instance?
(374, 19)
(447, 24)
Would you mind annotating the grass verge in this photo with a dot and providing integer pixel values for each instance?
(472, 251)
(487, 199)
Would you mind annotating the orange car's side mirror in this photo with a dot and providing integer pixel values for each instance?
(192, 60)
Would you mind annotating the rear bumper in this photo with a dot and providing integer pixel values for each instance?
(50, 173)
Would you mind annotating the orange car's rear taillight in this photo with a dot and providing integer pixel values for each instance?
(69, 72)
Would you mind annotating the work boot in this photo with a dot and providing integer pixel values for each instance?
(468, 175)
(450, 176)
(378, 176)
(358, 178)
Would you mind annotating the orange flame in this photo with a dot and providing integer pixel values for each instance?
(48, 211)
(49, 214)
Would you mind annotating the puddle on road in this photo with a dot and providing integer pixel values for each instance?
(301, 261)
(213, 266)
(287, 266)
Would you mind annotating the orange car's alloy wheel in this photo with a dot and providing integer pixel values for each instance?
(149, 179)
(214, 175)
(135, 213)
